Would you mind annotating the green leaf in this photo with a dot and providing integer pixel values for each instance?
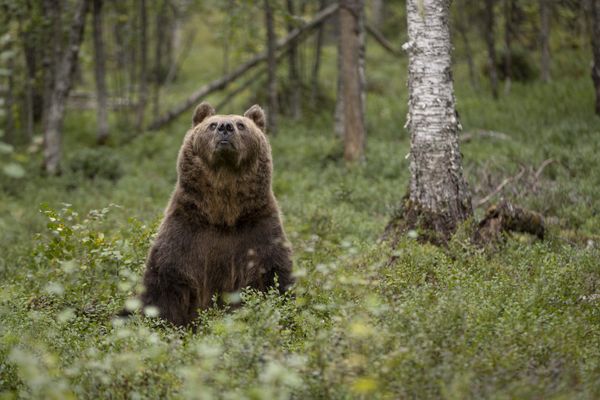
(14, 170)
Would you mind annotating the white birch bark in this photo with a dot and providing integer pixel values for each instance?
(437, 187)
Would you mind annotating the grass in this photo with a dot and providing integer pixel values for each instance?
(451, 323)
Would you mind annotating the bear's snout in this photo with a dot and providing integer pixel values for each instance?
(225, 128)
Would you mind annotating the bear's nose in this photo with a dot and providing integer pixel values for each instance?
(225, 127)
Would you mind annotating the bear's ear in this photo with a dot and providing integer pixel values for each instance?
(203, 111)
(256, 114)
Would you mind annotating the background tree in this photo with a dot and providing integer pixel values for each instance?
(63, 79)
(545, 11)
(100, 74)
(488, 29)
(143, 85)
(272, 104)
(595, 12)
(438, 198)
(293, 73)
(350, 119)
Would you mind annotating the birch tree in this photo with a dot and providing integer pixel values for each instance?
(438, 198)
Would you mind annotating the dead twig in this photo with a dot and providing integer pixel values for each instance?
(480, 133)
(539, 171)
(499, 188)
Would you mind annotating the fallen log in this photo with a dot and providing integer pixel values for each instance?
(245, 85)
(224, 81)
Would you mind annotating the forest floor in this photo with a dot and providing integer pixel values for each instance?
(416, 321)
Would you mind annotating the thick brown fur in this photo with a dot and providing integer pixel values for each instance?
(222, 230)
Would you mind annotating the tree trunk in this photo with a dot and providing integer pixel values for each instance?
(222, 82)
(314, 87)
(100, 74)
(545, 38)
(293, 75)
(9, 122)
(159, 42)
(352, 82)
(508, 5)
(378, 13)
(595, 11)
(51, 54)
(143, 88)
(462, 30)
(438, 198)
(63, 81)
(491, 46)
(272, 106)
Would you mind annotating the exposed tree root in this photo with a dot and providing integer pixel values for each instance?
(437, 229)
(506, 217)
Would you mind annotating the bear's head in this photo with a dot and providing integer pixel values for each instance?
(231, 142)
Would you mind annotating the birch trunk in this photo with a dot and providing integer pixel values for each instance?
(595, 11)
(439, 198)
(63, 81)
(545, 38)
(272, 108)
(351, 91)
(100, 75)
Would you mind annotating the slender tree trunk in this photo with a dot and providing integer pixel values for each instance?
(595, 11)
(338, 117)
(9, 121)
(314, 87)
(508, 5)
(293, 75)
(491, 46)
(439, 198)
(351, 56)
(51, 53)
(100, 74)
(462, 30)
(64, 77)
(378, 13)
(159, 42)
(272, 107)
(143, 88)
(545, 38)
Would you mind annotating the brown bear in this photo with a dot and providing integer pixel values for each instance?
(222, 229)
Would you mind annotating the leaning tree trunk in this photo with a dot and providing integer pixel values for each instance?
(293, 74)
(491, 47)
(63, 80)
(350, 108)
(545, 39)
(595, 11)
(272, 107)
(438, 198)
(100, 74)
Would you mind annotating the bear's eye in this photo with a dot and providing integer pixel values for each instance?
(241, 126)
(212, 126)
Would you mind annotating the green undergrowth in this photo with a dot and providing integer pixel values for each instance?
(365, 320)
